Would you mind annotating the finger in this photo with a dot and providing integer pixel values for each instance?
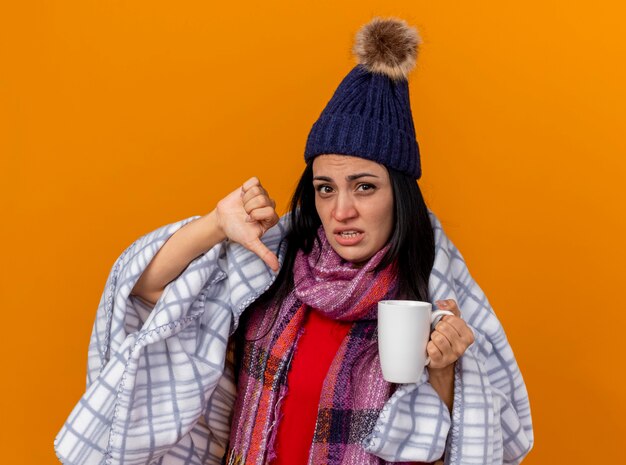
(448, 304)
(466, 334)
(257, 202)
(463, 337)
(253, 192)
(442, 342)
(453, 323)
(267, 215)
(263, 252)
(449, 352)
(253, 181)
(451, 326)
(458, 342)
(436, 357)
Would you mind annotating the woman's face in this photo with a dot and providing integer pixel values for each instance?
(354, 200)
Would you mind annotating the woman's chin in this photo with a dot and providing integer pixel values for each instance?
(352, 254)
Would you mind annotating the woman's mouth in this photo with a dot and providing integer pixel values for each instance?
(348, 237)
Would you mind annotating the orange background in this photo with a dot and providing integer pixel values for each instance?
(119, 117)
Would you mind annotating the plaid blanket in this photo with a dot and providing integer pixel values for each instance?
(160, 384)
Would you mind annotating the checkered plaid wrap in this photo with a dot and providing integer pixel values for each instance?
(490, 422)
(160, 384)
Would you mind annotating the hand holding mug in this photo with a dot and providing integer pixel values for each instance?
(450, 338)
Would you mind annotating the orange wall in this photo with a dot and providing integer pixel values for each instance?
(118, 117)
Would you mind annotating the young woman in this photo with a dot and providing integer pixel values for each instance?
(309, 384)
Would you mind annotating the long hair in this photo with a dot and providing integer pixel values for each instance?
(412, 241)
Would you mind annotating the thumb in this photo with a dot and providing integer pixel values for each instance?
(448, 304)
(263, 252)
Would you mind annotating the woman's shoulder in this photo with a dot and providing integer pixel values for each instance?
(434, 220)
(440, 235)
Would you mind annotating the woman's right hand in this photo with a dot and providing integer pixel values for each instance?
(245, 215)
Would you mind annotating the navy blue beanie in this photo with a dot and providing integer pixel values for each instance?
(369, 115)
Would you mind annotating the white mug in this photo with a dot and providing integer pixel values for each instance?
(404, 328)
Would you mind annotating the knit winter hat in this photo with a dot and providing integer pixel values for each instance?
(369, 115)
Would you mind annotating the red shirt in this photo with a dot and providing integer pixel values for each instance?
(315, 352)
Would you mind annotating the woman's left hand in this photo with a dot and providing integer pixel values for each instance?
(450, 338)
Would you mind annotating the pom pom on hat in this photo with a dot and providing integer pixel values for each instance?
(369, 115)
(387, 46)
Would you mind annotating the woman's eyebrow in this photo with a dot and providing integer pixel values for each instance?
(322, 178)
(351, 177)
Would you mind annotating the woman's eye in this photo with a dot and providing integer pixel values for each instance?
(366, 187)
(324, 189)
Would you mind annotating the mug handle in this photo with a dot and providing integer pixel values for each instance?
(435, 317)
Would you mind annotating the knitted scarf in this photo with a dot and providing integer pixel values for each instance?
(353, 392)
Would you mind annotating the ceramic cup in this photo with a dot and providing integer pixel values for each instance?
(404, 328)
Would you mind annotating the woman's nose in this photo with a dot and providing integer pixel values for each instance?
(344, 208)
